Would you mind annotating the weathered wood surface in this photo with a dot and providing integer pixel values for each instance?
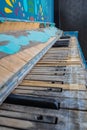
(60, 63)
(66, 69)
(51, 82)
(71, 100)
(65, 79)
(55, 72)
(17, 26)
(4, 75)
(67, 119)
(51, 92)
(6, 128)
(15, 67)
(53, 85)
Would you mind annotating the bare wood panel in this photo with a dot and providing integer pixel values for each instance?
(60, 64)
(74, 119)
(43, 72)
(49, 84)
(6, 128)
(25, 125)
(54, 71)
(68, 102)
(28, 116)
(51, 92)
(62, 79)
(15, 60)
(4, 75)
(13, 63)
(58, 55)
(60, 60)
(62, 112)
(75, 69)
(17, 26)
(15, 123)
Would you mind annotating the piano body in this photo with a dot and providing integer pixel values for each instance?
(42, 70)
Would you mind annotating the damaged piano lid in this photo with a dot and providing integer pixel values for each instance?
(17, 61)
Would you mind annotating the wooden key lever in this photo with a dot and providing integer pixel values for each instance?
(33, 101)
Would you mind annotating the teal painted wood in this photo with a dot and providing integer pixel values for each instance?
(13, 44)
(10, 85)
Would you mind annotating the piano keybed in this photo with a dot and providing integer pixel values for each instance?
(52, 95)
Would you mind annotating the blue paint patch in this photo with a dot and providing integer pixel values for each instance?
(36, 10)
(14, 44)
(25, 5)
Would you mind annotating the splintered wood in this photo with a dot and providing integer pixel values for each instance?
(59, 75)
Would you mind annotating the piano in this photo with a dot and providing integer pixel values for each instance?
(42, 77)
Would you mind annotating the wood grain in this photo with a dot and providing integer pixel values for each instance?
(74, 119)
(17, 26)
(53, 77)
